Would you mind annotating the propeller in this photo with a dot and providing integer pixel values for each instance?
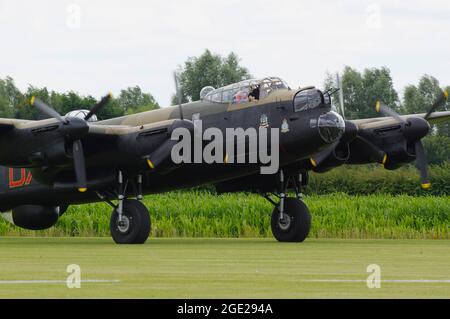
(375, 152)
(177, 88)
(318, 158)
(73, 129)
(46, 110)
(161, 154)
(164, 151)
(382, 108)
(442, 99)
(414, 128)
(99, 105)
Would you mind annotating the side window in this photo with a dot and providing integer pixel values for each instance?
(301, 101)
(306, 100)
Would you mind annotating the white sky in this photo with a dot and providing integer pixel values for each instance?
(94, 47)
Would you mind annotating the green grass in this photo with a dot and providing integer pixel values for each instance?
(202, 214)
(224, 268)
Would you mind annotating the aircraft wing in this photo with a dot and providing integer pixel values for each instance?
(9, 124)
(116, 130)
(434, 118)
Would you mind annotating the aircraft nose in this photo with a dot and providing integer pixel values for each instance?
(331, 127)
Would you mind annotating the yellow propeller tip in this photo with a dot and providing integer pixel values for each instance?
(446, 94)
(378, 106)
(110, 94)
(82, 189)
(384, 159)
(225, 160)
(426, 185)
(150, 164)
(313, 162)
(32, 101)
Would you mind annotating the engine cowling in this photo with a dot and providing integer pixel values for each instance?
(33, 217)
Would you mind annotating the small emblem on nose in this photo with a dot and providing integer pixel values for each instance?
(284, 126)
(263, 121)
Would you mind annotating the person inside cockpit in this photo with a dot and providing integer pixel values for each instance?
(254, 93)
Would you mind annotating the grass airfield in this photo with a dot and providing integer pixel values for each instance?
(224, 268)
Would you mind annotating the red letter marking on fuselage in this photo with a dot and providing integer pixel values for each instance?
(24, 180)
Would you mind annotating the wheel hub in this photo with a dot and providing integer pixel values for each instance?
(124, 225)
(285, 222)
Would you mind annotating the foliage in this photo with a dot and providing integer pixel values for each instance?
(374, 179)
(15, 104)
(418, 99)
(209, 70)
(437, 148)
(361, 91)
(133, 99)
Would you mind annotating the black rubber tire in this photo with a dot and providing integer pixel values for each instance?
(138, 227)
(300, 221)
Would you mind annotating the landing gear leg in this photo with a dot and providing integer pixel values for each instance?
(130, 220)
(139, 196)
(120, 196)
(290, 220)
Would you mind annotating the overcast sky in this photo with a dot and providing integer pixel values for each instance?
(98, 46)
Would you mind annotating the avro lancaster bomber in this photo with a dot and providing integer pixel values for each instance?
(50, 164)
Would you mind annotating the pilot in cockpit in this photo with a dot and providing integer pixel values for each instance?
(254, 93)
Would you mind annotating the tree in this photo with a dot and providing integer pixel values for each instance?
(378, 85)
(361, 91)
(352, 86)
(133, 99)
(9, 97)
(437, 148)
(209, 70)
(418, 99)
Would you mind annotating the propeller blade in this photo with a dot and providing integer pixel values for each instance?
(79, 165)
(421, 164)
(177, 88)
(161, 154)
(375, 152)
(317, 159)
(46, 109)
(98, 106)
(440, 101)
(380, 107)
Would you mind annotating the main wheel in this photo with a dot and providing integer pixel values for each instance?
(296, 223)
(135, 225)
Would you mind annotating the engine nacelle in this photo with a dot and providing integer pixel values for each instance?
(33, 217)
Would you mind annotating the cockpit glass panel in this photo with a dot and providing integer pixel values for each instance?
(216, 96)
(244, 91)
(308, 99)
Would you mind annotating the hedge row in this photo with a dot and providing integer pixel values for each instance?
(365, 180)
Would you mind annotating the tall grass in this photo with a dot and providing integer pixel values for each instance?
(202, 214)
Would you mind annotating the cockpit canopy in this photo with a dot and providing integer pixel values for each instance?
(310, 98)
(240, 92)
